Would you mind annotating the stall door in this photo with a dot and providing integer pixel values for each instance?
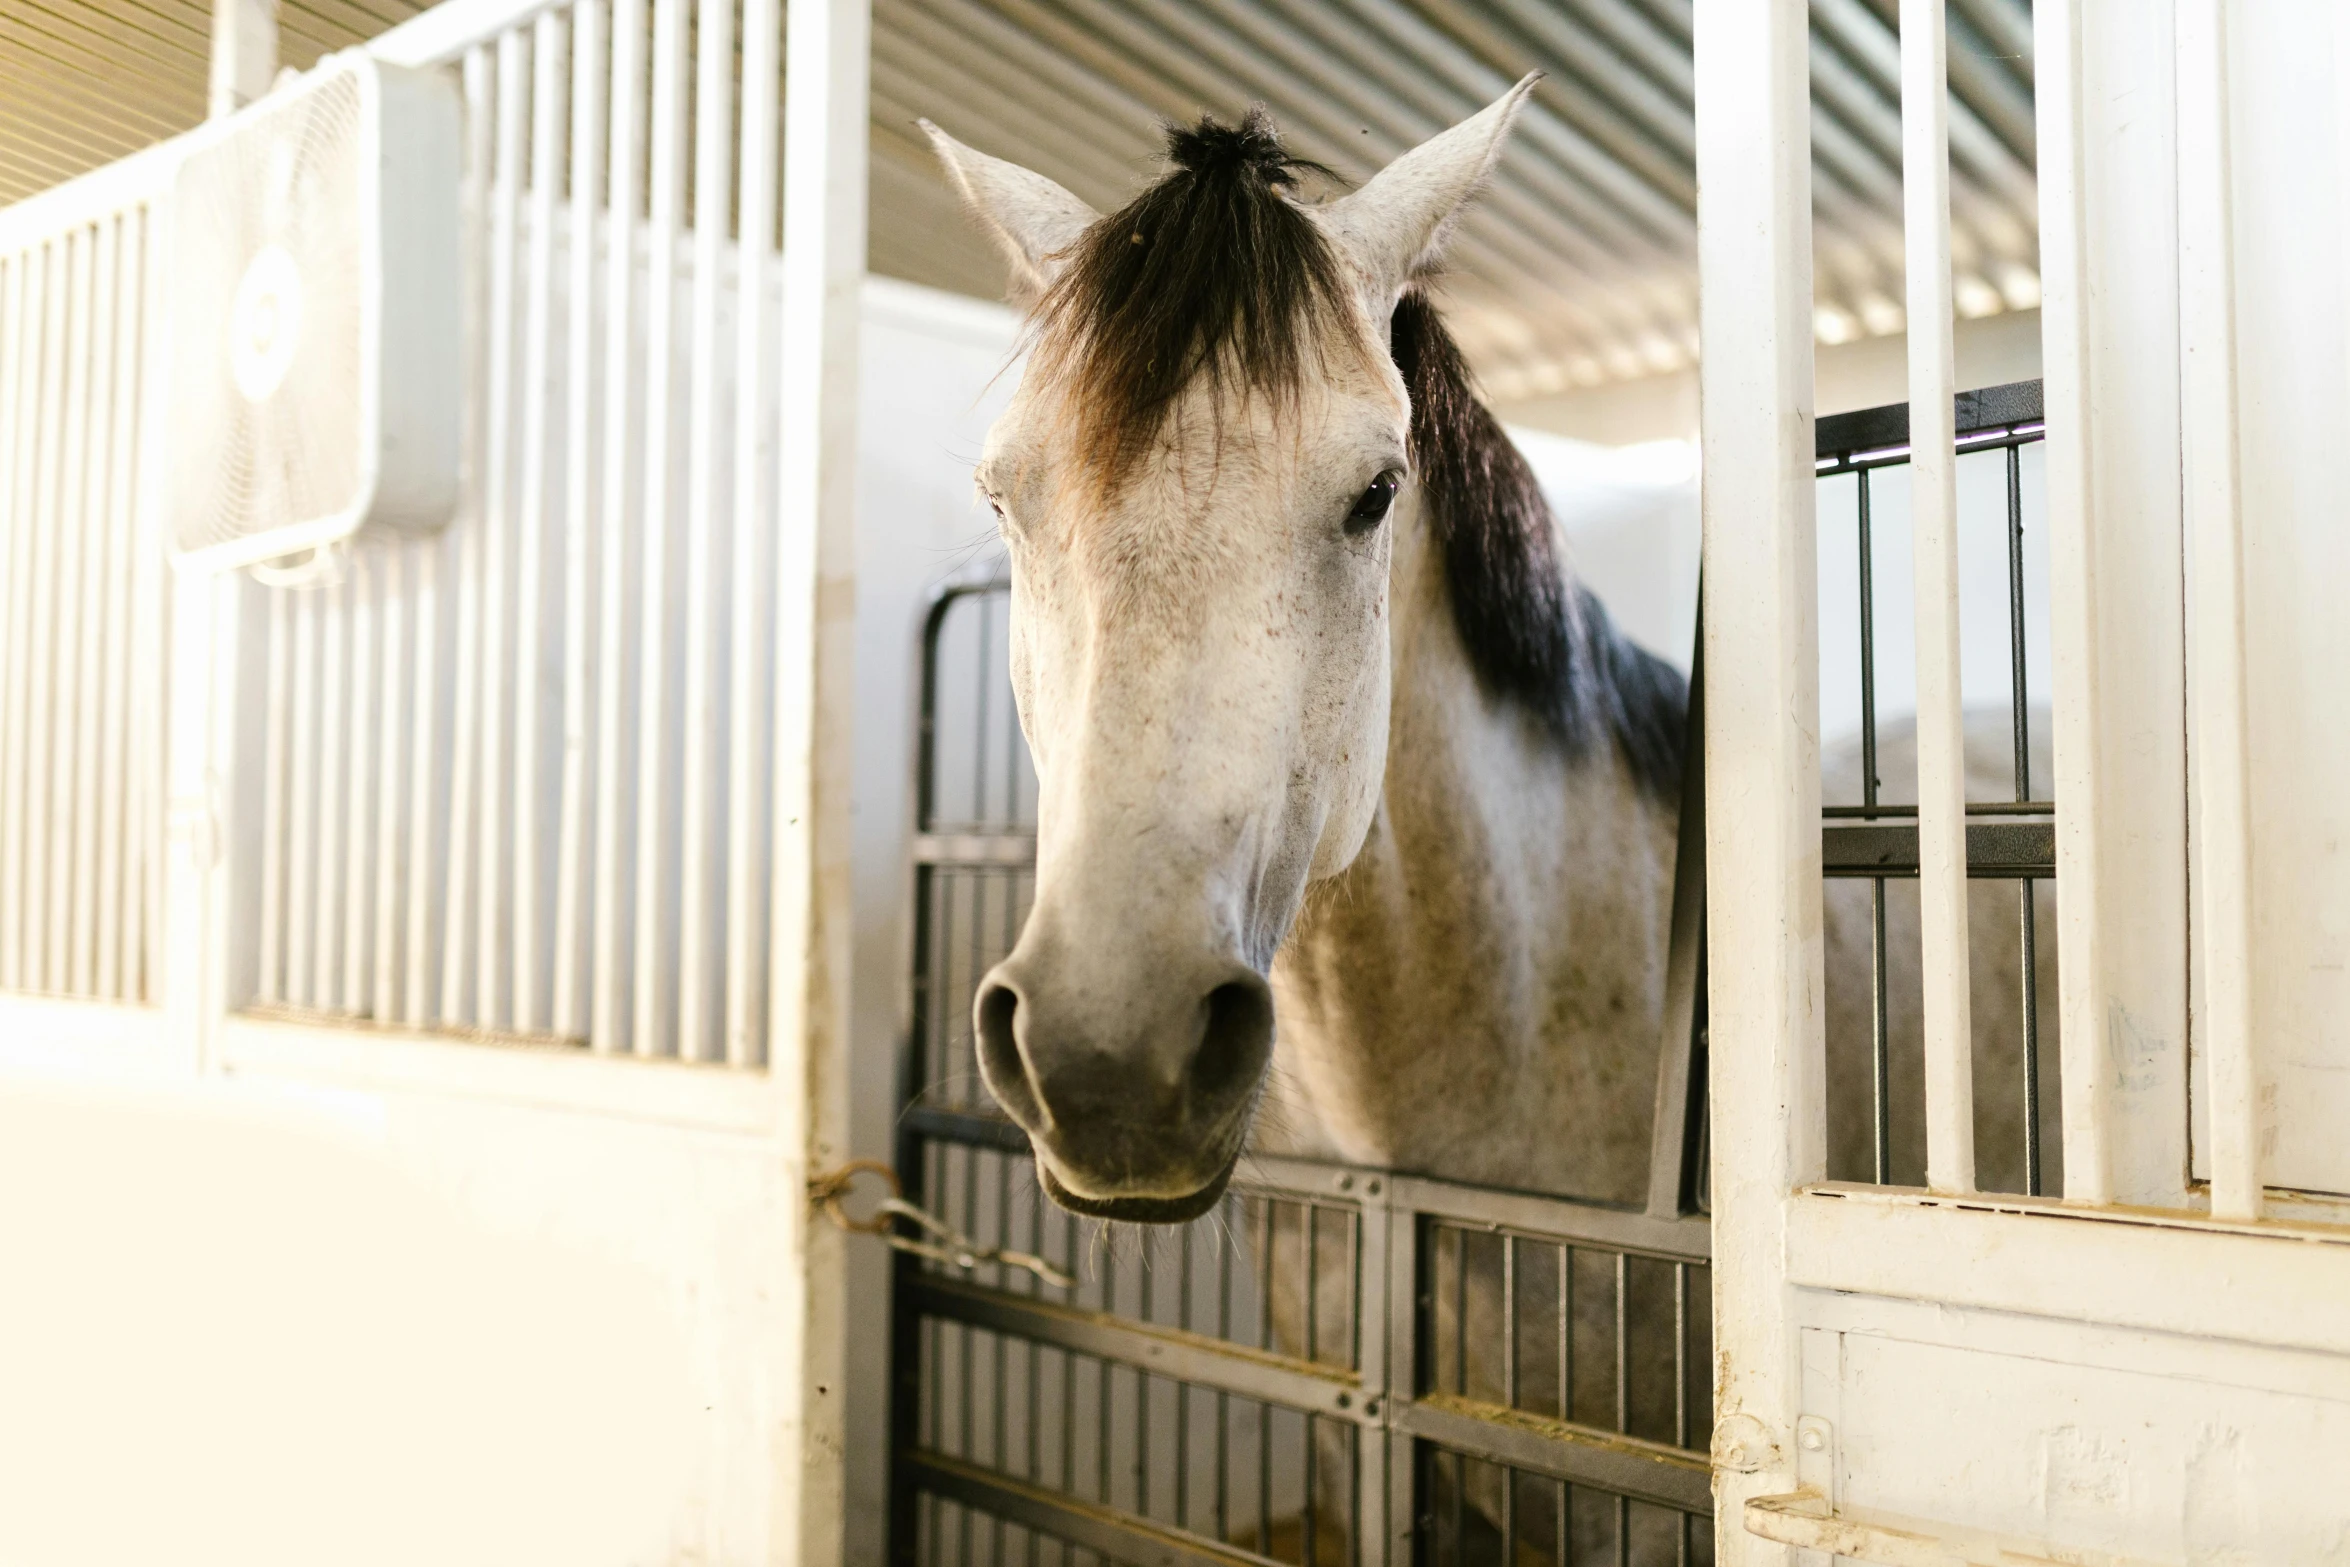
(2127, 1342)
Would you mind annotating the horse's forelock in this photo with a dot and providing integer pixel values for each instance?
(1214, 272)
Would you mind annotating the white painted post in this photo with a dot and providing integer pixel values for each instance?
(608, 1019)
(573, 881)
(2108, 226)
(244, 53)
(2223, 767)
(747, 706)
(1933, 482)
(656, 909)
(1761, 724)
(698, 1010)
(550, 74)
(824, 198)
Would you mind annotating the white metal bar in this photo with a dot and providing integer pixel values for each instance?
(2108, 184)
(608, 1025)
(474, 521)
(538, 402)
(429, 744)
(20, 354)
(151, 614)
(65, 694)
(501, 660)
(2215, 530)
(587, 188)
(1933, 488)
(363, 600)
(699, 847)
(1763, 885)
(827, 98)
(302, 850)
(655, 908)
(31, 842)
(277, 720)
(746, 969)
(121, 527)
(335, 723)
(392, 868)
(94, 523)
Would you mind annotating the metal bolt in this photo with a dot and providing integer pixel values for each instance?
(1345, 1401)
(1372, 1188)
(1346, 1183)
(1811, 1439)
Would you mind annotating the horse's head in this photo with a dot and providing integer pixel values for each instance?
(1199, 485)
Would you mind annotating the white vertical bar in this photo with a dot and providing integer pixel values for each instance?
(94, 521)
(2215, 528)
(1763, 889)
(302, 849)
(121, 528)
(151, 611)
(474, 520)
(713, 213)
(608, 1024)
(20, 356)
(1933, 483)
(826, 98)
(65, 700)
(501, 660)
(32, 850)
(655, 909)
(19, 353)
(392, 868)
(278, 718)
(429, 843)
(746, 864)
(538, 397)
(571, 846)
(363, 605)
(2108, 232)
(334, 746)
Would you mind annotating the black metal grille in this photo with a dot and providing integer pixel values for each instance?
(1873, 838)
(1305, 1375)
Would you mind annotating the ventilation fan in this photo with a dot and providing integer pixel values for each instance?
(314, 334)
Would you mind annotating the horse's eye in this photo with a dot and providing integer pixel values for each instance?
(1372, 509)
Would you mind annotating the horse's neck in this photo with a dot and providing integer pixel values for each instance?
(1478, 995)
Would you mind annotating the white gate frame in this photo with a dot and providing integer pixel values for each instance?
(2135, 1264)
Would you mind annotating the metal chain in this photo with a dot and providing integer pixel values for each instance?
(947, 1245)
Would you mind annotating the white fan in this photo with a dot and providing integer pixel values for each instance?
(316, 312)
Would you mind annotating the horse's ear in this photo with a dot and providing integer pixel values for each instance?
(1395, 226)
(1032, 220)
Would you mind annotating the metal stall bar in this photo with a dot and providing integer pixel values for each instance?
(1941, 741)
(2215, 526)
(2116, 585)
(1766, 1050)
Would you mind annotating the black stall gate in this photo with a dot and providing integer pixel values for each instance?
(1156, 1412)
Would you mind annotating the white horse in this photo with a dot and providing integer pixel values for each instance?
(1288, 613)
(1324, 729)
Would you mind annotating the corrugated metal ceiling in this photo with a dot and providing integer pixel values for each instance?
(1577, 268)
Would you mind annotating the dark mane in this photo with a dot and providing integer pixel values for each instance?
(1212, 271)
(1532, 634)
(1216, 271)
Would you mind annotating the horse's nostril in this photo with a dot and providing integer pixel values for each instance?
(1000, 1065)
(1238, 1039)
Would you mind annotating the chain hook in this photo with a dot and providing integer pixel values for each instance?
(830, 1189)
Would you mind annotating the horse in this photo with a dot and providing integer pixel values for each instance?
(1326, 732)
